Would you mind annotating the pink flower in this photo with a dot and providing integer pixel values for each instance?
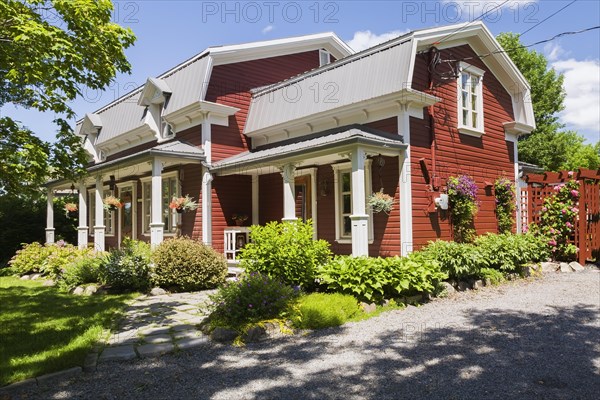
(552, 230)
(575, 209)
(574, 193)
(525, 228)
(569, 225)
(571, 173)
(544, 209)
(552, 242)
(564, 211)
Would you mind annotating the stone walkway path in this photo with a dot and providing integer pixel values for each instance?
(154, 325)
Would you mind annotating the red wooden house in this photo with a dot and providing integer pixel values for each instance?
(305, 128)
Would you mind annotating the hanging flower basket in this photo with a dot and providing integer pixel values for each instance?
(239, 219)
(182, 204)
(71, 210)
(381, 202)
(112, 203)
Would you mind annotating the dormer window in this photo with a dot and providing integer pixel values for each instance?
(470, 100)
(324, 57)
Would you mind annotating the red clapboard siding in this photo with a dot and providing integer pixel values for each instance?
(230, 85)
(191, 184)
(484, 159)
(270, 198)
(230, 195)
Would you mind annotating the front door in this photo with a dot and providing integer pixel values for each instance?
(126, 215)
(303, 197)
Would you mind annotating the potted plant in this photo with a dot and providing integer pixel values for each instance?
(381, 202)
(71, 210)
(181, 204)
(111, 203)
(239, 219)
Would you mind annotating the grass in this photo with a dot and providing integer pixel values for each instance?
(323, 310)
(43, 330)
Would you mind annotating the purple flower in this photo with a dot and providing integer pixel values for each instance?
(249, 305)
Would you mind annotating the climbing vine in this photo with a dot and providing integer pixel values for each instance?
(462, 199)
(504, 190)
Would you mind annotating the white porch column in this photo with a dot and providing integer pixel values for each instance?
(156, 221)
(207, 138)
(405, 185)
(50, 217)
(99, 228)
(359, 217)
(519, 222)
(255, 188)
(207, 179)
(82, 229)
(289, 192)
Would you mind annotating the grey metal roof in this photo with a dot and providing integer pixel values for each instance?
(121, 117)
(319, 141)
(187, 84)
(372, 73)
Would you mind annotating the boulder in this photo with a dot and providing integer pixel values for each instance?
(90, 290)
(368, 307)
(223, 335)
(25, 277)
(463, 286)
(575, 266)
(447, 287)
(36, 276)
(413, 299)
(78, 291)
(548, 266)
(478, 284)
(157, 291)
(256, 334)
(564, 267)
(49, 282)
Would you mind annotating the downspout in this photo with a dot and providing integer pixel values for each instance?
(435, 180)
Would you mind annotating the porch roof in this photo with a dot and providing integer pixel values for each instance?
(331, 141)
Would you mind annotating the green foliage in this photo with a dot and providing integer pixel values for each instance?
(285, 250)
(324, 310)
(462, 199)
(558, 218)
(496, 277)
(458, 260)
(50, 259)
(127, 268)
(255, 297)
(187, 265)
(372, 279)
(81, 271)
(508, 252)
(29, 259)
(504, 191)
(49, 51)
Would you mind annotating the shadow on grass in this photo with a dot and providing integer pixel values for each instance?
(43, 330)
(491, 354)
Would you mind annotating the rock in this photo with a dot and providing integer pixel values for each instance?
(36, 276)
(368, 307)
(49, 282)
(462, 286)
(256, 334)
(90, 290)
(478, 284)
(548, 266)
(575, 266)
(447, 287)
(25, 277)
(157, 291)
(78, 291)
(488, 282)
(223, 335)
(564, 267)
(413, 299)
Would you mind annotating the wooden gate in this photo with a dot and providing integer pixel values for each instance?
(587, 229)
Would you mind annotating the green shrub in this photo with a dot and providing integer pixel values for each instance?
(286, 250)
(82, 270)
(29, 259)
(127, 268)
(185, 264)
(373, 279)
(493, 275)
(49, 259)
(458, 260)
(255, 297)
(505, 192)
(508, 252)
(323, 310)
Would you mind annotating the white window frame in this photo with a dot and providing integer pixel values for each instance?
(338, 169)
(109, 217)
(322, 54)
(133, 185)
(468, 128)
(146, 208)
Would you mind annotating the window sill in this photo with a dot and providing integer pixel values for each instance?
(349, 241)
(470, 131)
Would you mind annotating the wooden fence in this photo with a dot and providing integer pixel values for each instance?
(587, 228)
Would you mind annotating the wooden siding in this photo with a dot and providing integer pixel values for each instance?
(230, 85)
(484, 159)
(230, 195)
(270, 198)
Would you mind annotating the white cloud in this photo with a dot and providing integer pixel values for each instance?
(365, 39)
(267, 29)
(553, 51)
(582, 84)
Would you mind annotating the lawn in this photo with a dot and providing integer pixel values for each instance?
(43, 330)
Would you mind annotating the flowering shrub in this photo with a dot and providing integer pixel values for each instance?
(558, 219)
(255, 297)
(70, 209)
(186, 203)
(462, 198)
(127, 268)
(112, 203)
(381, 202)
(504, 190)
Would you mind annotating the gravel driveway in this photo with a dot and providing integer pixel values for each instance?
(524, 340)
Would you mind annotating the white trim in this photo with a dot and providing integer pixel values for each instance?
(82, 229)
(255, 199)
(514, 139)
(324, 53)
(472, 72)
(50, 216)
(405, 185)
(146, 180)
(206, 193)
(134, 207)
(92, 215)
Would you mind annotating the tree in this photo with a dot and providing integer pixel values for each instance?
(547, 146)
(49, 51)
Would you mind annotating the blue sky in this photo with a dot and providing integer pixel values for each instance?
(169, 32)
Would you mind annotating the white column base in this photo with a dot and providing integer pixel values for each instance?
(99, 242)
(156, 234)
(50, 235)
(288, 219)
(360, 235)
(82, 237)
